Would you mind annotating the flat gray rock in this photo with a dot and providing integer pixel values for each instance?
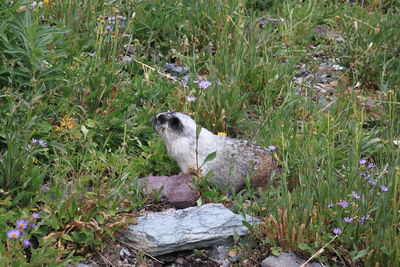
(192, 228)
(288, 259)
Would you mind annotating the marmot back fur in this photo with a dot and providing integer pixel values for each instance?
(235, 158)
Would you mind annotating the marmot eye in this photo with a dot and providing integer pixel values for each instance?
(161, 119)
(176, 124)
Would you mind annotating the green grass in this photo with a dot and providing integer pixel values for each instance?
(93, 113)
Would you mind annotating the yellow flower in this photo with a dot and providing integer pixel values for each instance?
(46, 1)
(221, 133)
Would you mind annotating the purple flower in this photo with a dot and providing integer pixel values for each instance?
(126, 35)
(256, 161)
(348, 219)
(331, 205)
(92, 54)
(355, 195)
(35, 215)
(337, 231)
(363, 162)
(33, 141)
(44, 187)
(123, 18)
(363, 174)
(42, 143)
(344, 204)
(28, 148)
(109, 27)
(13, 234)
(204, 84)
(384, 188)
(372, 182)
(32, 225)
(21, 224)
(26, 243)
(362, 220)
(271, 148)
(191, 98)
(371, 165)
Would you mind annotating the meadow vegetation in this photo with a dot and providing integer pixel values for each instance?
(75, 107)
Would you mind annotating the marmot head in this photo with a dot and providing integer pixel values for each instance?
(172, 125)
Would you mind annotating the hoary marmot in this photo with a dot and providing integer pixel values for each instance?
(235, 158)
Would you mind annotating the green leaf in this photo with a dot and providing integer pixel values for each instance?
(304, 246)
(276, 251)
(210, 157)
(66, 237)
(361, 254)
(248, 225)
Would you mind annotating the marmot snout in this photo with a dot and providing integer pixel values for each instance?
(235, 158)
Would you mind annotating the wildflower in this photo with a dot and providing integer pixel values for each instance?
(108, 27)
(384, 188)
(127, 59)
(271, 148)
(21, 224)
(362, 220)
(363, 162)
(337, 231)
(44, 187)
(13, 234)
(330, 205)
(33, 141)
(348, 219)
(191, 98)
(32, 225)
(123, 18)
(372, 182)
(28, 148)
(126, 35)
(256, 161)
(42, 143)
(221, 134)
(344, 204)
(355, 195)
(204, 84)
(371, 165)
(26, 243)
(35, 215)
(92, 54)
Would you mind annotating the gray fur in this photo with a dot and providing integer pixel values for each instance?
(235, 158)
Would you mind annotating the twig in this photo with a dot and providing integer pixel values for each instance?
(135, 248)
(318, 252)
(375, 29)
(106, 260)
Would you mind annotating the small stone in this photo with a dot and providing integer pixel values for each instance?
(219, 253)
(176, 70)
(232, 253)
(287, 259)
(130, 49)
(178, 190)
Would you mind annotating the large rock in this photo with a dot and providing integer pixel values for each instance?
(178, 230)
(177, 190)
(288, 259)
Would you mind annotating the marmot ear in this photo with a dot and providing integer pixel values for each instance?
(176, 125)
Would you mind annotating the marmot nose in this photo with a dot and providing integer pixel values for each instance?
(153, 121)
